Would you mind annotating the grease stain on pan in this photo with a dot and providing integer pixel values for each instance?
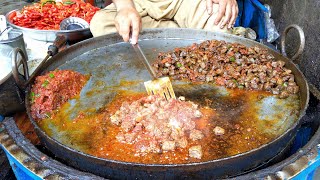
(281, 113)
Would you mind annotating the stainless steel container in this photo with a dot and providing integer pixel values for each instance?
(50, 35)
(15, 40)
(11, 99)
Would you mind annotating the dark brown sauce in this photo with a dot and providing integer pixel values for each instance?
(94, 134)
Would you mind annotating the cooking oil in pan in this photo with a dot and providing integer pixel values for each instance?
(249, 118)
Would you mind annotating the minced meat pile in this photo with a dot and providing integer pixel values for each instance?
(154, 125)
(52, 89)
(232, 65)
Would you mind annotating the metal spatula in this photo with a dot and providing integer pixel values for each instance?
(157, 86)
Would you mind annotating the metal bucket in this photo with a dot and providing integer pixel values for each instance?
(11, 100)
(15, 40)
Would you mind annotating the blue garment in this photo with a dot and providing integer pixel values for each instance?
(251, 14)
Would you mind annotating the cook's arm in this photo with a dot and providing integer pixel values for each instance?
(127, 20)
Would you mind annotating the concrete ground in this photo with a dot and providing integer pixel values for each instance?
(8, 5)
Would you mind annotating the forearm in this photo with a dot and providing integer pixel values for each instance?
(120, 4)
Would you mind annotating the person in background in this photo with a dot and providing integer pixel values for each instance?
(128, 17)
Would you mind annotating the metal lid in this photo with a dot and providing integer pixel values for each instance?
(73, 23)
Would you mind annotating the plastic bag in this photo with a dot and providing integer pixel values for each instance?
(244, 32)
(272, 32)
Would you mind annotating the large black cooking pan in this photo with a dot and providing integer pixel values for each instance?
(109, 60)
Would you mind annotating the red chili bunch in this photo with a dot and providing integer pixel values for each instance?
(48, 15)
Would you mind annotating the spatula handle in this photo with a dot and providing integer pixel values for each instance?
(143, 58)
(60, 41)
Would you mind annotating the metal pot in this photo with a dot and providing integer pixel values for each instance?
(50, 35)
(86, 56)
(11, 98)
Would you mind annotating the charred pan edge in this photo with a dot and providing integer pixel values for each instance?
(17, 145)
(299, 165)
(291, 167)
(304, 158)
(12, 140)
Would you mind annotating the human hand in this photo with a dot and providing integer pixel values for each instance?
(128, 21)
(227, 9)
